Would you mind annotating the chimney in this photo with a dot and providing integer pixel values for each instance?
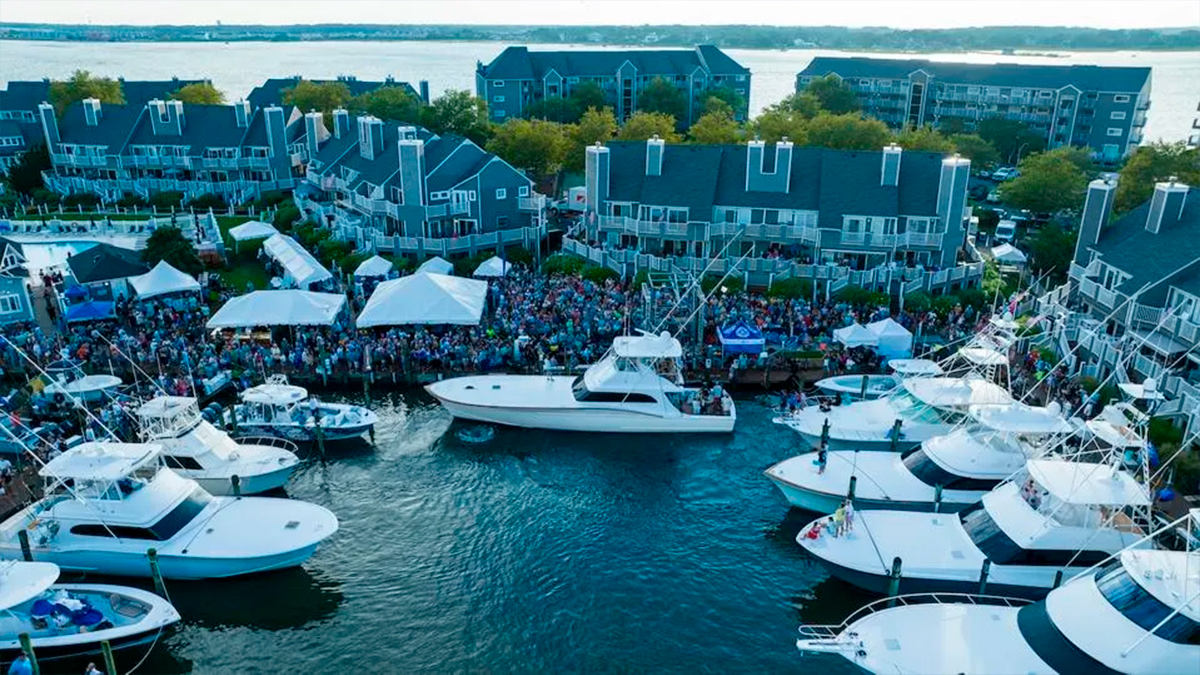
(423, 86)
(654, 155)
(766, 172)
(341, 122)
(276, 124)
(411, 152)
(889, 172)
(166, 117)
(91, 111)
(952, 193)
(370, 136)
(596, 180)
(1096, 212)
(49, 126)
(1166, 206)
(314, 132)
(407, 133)
(241, 113)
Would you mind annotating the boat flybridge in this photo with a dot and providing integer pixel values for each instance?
(283, 410)
(71, 620)
(1050, 521)
(67, 380)
(872, 386)
(635, 387)
(1137, 613)
(196, 449)
(105, 504)
(946, 473)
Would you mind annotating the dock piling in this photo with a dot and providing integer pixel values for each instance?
(160, 586)
(26, 551)
(320, 435)
(850, 492)
(109, 662)
(863, 394)
(896, 434)
(1058, 576)
(983, 576)
(894, 581)
(937, 498)
(233, 420)
(236, 481)
(27, 647)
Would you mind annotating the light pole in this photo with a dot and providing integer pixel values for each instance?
(1023, 146)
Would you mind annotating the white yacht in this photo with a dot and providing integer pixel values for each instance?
(1138, 614)
(71, 620)
(105, 504)
(196, 449)
(1055, 517)
(635, 387)
(924, 407)
(947, 473)
(867, 387)
(283, 410)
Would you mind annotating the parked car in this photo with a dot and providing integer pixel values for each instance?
(993, 197)
(978, 191)
(1006, 231)
(1002, 174)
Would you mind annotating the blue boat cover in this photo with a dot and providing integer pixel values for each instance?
(741, 338)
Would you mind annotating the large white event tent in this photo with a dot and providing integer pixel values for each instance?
(1007, 254)
(163, 279)
(492, 267)
(436, 265)
(855, 335)
(425, 299)
(375, 266)
(895, 341)
(251, 230)
(300, 268)
(279, 308)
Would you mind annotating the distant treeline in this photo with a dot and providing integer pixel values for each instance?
(747, 37)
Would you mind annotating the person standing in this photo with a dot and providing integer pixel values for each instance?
(822, 458)
(21, 665)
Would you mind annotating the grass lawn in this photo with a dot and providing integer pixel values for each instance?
(242, 272)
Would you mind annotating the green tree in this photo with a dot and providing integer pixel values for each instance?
(924, 139)
(198, 93)
(26, 175)
(1154, 163)
(81, 85)
(847, 132)
(1049, 181)
(537, 146)
(1012, 139)
(596, 126)
(973, 147)
(1051, 250)
(717, 106)
(660, 96)
(714, 128)
(324, 97)
(458, 112)
(642, 125)
(169, 243)
(554, 109)
(804, 103)
(726, 95)
(388, 103)
(588, 95)
(775, 125)
(835, 96)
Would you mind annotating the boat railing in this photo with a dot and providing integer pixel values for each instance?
(268, 441)
(834, 631)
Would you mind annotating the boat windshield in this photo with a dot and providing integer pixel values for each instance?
(911, 409)
(929, 472)
(1146, 611)
(989, 538)
(163, 530)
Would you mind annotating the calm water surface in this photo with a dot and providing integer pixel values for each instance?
(532, 552)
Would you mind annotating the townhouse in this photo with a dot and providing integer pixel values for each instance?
(1101, 107)
(271, 92)
(16, 304)
(518, 77)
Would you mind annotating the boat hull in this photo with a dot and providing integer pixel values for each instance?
(299, 434)
(135, 564)
(249, 485)
(881, 583)
(837, 444)
(593, 419)
(821, 502)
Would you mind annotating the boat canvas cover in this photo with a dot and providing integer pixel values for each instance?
(915, 367)
(741, 338)
(646, 346)
(492, 267)
(104, 462)
(163, 279)
(375, 266)
(1021, 419)
(275, 394)
(434, 299)
(279, 308)
(856, 335)
(167, 407)
(21, 581)
(300, 267)
(945, 392)
(895, 341)
(1009, 254)
(1087, 483)
(436, 265)
(251, 230)
(981, 356)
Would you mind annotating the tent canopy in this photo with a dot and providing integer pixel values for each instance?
(76, 292)
(279, 308)
(492, 267)
(375, 266)
(299, 266)
(163, 279)
(895, 342)
(1009, 254)
(252, 229)
(741, 338)
(425, 299)
(93, 310)
(855, 335)
(436, 265)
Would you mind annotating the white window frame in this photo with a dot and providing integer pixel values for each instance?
(1118, 131)
(498, 83)
(523, 191)
(501, 193)
(498, 98)
(500, 113)
(1121, 98)
(10, 303)
(471, 196)
(1118, 115)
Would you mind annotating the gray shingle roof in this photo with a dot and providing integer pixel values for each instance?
(204, 126)
(26, 95)
(114, 127)
(1128, 246)
(464, 161)
(104, 262)
(10, 129)
(1086, 78)
(518, 63)
(271, 92)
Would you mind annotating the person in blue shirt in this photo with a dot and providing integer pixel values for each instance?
(21, 665)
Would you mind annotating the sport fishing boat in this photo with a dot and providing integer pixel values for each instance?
(284, 410)
(1138, 613)
(947, 473)
(105, 504)
(196, 449)
(872, 386)
(1052, 521)
(71, 620)
(635, 387)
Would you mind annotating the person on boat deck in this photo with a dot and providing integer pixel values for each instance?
(822, 457)
(839, 520)
(848, 523)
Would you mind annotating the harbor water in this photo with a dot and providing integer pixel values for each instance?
(529, 552)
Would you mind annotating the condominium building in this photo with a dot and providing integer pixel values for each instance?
(518, 77)
(1101, 107)
(272, 91)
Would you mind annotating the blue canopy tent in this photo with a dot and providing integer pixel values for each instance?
(76, 292)
(741, 338)
(90, 311)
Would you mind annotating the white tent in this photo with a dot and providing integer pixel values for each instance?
(375, 266)
(1007, 254)
(163, 279)
(300, 268)
(279, 308)
(492, 267)
(895, 342)
(425, 299)
(855, 335)
(252, 229)
(436, 265)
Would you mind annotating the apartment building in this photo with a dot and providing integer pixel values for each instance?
(271, 92)
(518, 77)
(867, 218)
(16, 305)
(1101, 107)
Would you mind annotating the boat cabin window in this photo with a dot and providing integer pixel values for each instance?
(998, 547)
(914, 409)
(166, 528)
(176, 462)
(1136, 604)
(583, 394)
(921, 466)
(626, 365)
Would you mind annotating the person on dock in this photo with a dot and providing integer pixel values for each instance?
(21, 665)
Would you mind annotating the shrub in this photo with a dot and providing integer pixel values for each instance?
(330, 251)
(972, 297)
(1162, 432)
(1108, 392)
(465, 267)
(791, 289)
(271, 198)
(640, 279)
(46, 197)
(518, 255)
(351, 261)
(942, 304)
(1186, 463)
(731, 284)
(563, 263)
(167, 199)
(208, 201)
(918, 302)
(87, 200)
(857, 295)
(286, 217)
(598, 274)
(131, 200)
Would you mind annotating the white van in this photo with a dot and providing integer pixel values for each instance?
(1006, 230)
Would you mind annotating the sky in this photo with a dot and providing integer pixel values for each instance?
(854, 13)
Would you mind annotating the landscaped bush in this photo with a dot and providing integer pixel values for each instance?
(270, 199)
(918, 302)
(562, 263)
(131, 201)
(465, 266)
(972, 297)
(857, 295)
(331, 251)
(1186, 466)
(732, 284)
(598, 274)
(45, 197)
(87, 200)
(350, 262)
(165, 200)
(208, 201)
(286, 217)
(518, 255)
(640, 279)
(791, 289)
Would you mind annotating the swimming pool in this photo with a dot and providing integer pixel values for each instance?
(40, 256)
